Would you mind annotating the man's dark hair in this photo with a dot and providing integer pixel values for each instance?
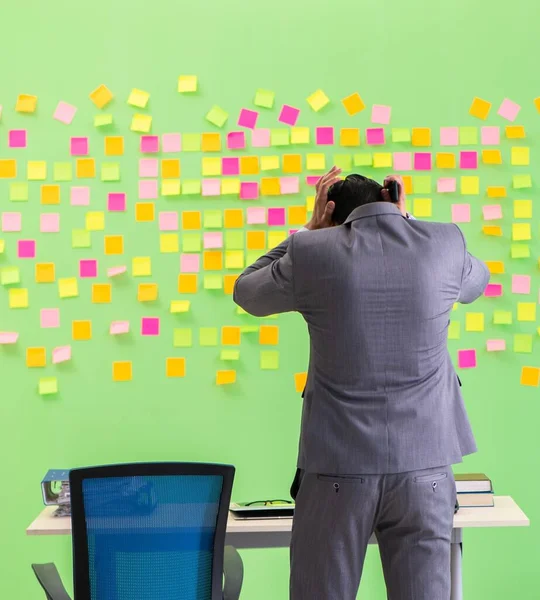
(352, 192)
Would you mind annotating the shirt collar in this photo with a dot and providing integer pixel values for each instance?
(373, 209)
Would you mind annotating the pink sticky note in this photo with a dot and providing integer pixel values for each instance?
(256, 215)
(168, 221)
(468, 160)
(509, 110)
(312, 179)
(276, 216)
(80, 196)
(495, 345)
(149, 144)
(260, 138)
(493, 290)
(521, 284)
(115, 271)
(119, 327)
(211, 187)
(466, 359)
(249, 190)
(11, 221)
(148, 167)
(230, 166)
(461, 213)
(8, 337)
(324, 136)
(171, 142)
(116, 201)
(402, 161)
(213, 239)
(449, 136)
(26, 249)
(64, 112)
(49, 222)
(248, 118)
(289, 185)
(375, 136)
(49, 318)
(492, 212)
(189, 263)
(17, 138)
(490, 136)
(88, 268)
(150, 326)
(289, 115)
(78, 146)
(148, 189)
(381, 114)
(61, 354)
(236, 140)
(446, 185)
(422, 161)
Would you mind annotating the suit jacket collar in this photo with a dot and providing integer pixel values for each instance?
(373, 209)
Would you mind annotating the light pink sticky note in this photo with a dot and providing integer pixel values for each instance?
(466, 359)
(148, 189)
(521, 284)
(149, 144)
(119, 327)
(493, 290)
(211, 187)
(116, 202)
(49, 222)
(168, 221)
(468, 159)
(230, 166)
(236, 140)
(422, 161)
(61, 354)
(11, 221)
(148, 167)
(8, 337)
(461, 213)
(17, 138)
(80, 196)
(289, 185)
(213, 239)
(509, 110)
(189, 263)
(256, 215)
(289, 115)
(276, 216)
(150, 326)
(375, 136)
(260, 138)
(490, 136)
(64, 112)
(402, 161)
(49, 318)
(492, 212)
(88, 268)
(171, 142)
(381, 114)
(324, 136)
(115, 271)
(78, 146)
(313, 179)
(248, 118)
(446, 185)
(26, 248)
(495, 345)
(449, 136)
(249, 190)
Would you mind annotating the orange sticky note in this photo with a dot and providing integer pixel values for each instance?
(114, 244)
(211, 142)
(36, 357)
(480, 108)
(228, 284)
(349, 136)
(225, 377)
(515, 132)
(122, 370)
(101, 96)
(495, 267)
(213, 260)
(495, 230)
(81, 330)
(270, 186)
(144, 212)
(269, 335)
(446, 160)
(256, 240)
(353, 104)
(494, 191)
(492, 157)
(300, 380)
(297, 215)
(170, 168)
(187, 283)
(45, 273)
(101, 293)
(421, 136)
(147, 292)
(175, 367)
(191, 219)
(233, 218)
(114, 145)
(292, 163)
(249, 165)
(408, 184)
(537, 104)
(85, 168)
(230, 336)
(8, 168)
(50, 194)
(530, 376)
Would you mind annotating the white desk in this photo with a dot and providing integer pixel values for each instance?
(277, 533)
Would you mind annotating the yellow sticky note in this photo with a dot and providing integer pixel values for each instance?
(45, 273)
(101, 96)
(382, 159)
(270, 186)
(234, 259)
(122, 370)
(233, 218)
(349, 137)
(225, 377)
(187, 283)
(269, 163)
(494, 191)
(353, 104)
(170, 187)
(114, 145)
(269, 335)
(421, 136)
(422, 207)
(446, 160)
(114, 244)
(300, 135)
(141, 123)
(144, 212)
(36, 357)
(530, 376)
(138, 98)
(180, 306)
(18, 298)
(520, 156)
(230, 336)
(175, 367)
(85, 168)
(495, 267)
(275, 238)
(211, 142)
(81, 330)
(141, 266)
(101, 293)
(211, 166)
(480, 108)
(8, 168)
(187, 83)
(515, 132)
(526, 311)
(318, 100)
(168, 243)
(213, 260)
(228, 284)
(470, 185)
(315, 162)
(68, 287)
(147, 292)
(492, 157)
(36, 170)
(310, 203)
(493, 230)
(95, 221)
(474, 322)
(26, 103)
(2, 246)
(230, 186)
(521, 232)
(522, 209)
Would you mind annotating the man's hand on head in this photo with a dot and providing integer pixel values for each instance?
(322, 211)
(402, 202)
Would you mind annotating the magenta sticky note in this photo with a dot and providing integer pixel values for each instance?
(495, 345)
(289, 115)
(260, 138)
(149, 144)
(115, 271)
(375, 136)
(64, 112)
(61, 354)
(312, 180)
(449, 136)
(236, 140)
(446, 185)
(468, 160)
(466, 359)
(492, 212)
(88, 268)
(402, 161)
(49, 222)
(211, 187)
(80, 196)
(509, 110)
(230, 166)
(490, 136)
(493, 290)
(381, 114)
(49, 318)
(26, 248)
(8, 337)
(148, 167)
(116, 201)
(150, 326)
(248, 118)
(119, 327)
(171, 142)
(422, 161)
(79, 146)
(276, 216)
(168, 221)
(256, 215)
(213, 239)
(461, 213)
(11, 221)
(148, 189)
(189, 263)
(249, 190)
(17, 138)
(324, 136)
(521, 284)
(289, 185)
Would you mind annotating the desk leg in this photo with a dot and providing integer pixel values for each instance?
(456, 558)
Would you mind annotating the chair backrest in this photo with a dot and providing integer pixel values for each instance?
(151, 531)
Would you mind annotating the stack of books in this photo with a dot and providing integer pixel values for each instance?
(474, 490)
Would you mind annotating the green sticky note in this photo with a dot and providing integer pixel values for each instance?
(502, 317)
(191, 242)
(48, 385)
(103, 120)
(208, 336)
(213, 282)
(110, 172)
(343, 161)
(63, 171)
(191, 186)
(217, 116)
(182, 338)
(213, 219)
(269, 359)
(18, 192)
(229, 355)
(468, 136)
(363, 159)
(523, 343)
(454, 330)
(264, 98)
(248, 328)
(422, 184)
(10, 275)
(252, 256)
(191, 142)
(520, 251)
(279, 137)
(401, 135)
(234, 240)
(80, 238)
(520, 182)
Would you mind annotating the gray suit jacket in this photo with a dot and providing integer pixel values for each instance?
(376, 293)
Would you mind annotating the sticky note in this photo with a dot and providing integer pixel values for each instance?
(26, 249)
(521, 284)
(119, 328)
(101, 293)
(468, 136)
(495, 267)
(496, 191)
(45, 273)
(502, 317)
(422, 184)
(521, 232)
(62, 171)
(144, 212)
(526, 311)
(375, 136)
(11, 222)
(324, 136)
(492, 157)
(168, 243)
(148, 189)
(446, 185)
(179, 306)
(382, 160)
(230, 336)
(141, 266)
(349, 137)
(353, 104)
(170, 168)
(490, 136)
(189, 263)
(18, 192)
(138, 98)
(115, 271)
(509, 110)
(468, 160)
(264, 98)
(523, 343)
(17, 138)
(234, 240)
(256, 240)
(381, 114)
(191, 187)
(85, 168)
(101, 96)
(249, 190)
(470, 185)
(289, 115)
(171, 187)
(26, 103)
(213, 219)
(315, 162)
(422, 207)
(275, 238)
(187, 283)
(10, 275)
(256, 215)
(279, 137)
(234, 218)
(148, 167)
(147, 292)
(521, 182)
(522, 209)
(493, 230)
(269, 335)
(191, 242)
(318, 100)
(515, 132)
(217, 116)
(116, 202)
(236, 140)
(454, 330)
(208, 336)
(95, 221)
(299, 135)
(81, 330)
(8, 169)
(80, 238)
(192, 142)
(191, 219)
(150, 326)
(88, 268)
(480, 108)
(8, 337)
(187, 84)
(422, 161)
(449, 136)
(402, 161)
(122, 370)
(49, 318)
(421, 136)
(530, 376)
(276, 216)
(103, 120)
(234, 259)
(520, 156)
(344, 161)
(36, 170)
(225, 377)
(466, 359)
(492, 212)
(36, 357)
(474, 321)
(18, 298)
(48, 386)
(64, 112)
(495, 345)
(227, 355)
(213, 282)
(171, 142)
(79, 196)
(260, 138)
(269, 359)
(175, 367)
(141, 123)
(446, 160)
(461, 213)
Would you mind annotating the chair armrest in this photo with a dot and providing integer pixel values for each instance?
(233, 569)
(50, 581)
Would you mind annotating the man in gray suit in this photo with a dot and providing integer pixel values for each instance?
(383, 416)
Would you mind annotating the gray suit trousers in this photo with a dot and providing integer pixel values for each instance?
(410, 513)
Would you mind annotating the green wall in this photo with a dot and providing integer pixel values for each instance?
(427, 60)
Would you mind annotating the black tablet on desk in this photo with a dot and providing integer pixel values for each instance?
(263, 509)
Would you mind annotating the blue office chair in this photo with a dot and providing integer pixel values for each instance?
(149, 532)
